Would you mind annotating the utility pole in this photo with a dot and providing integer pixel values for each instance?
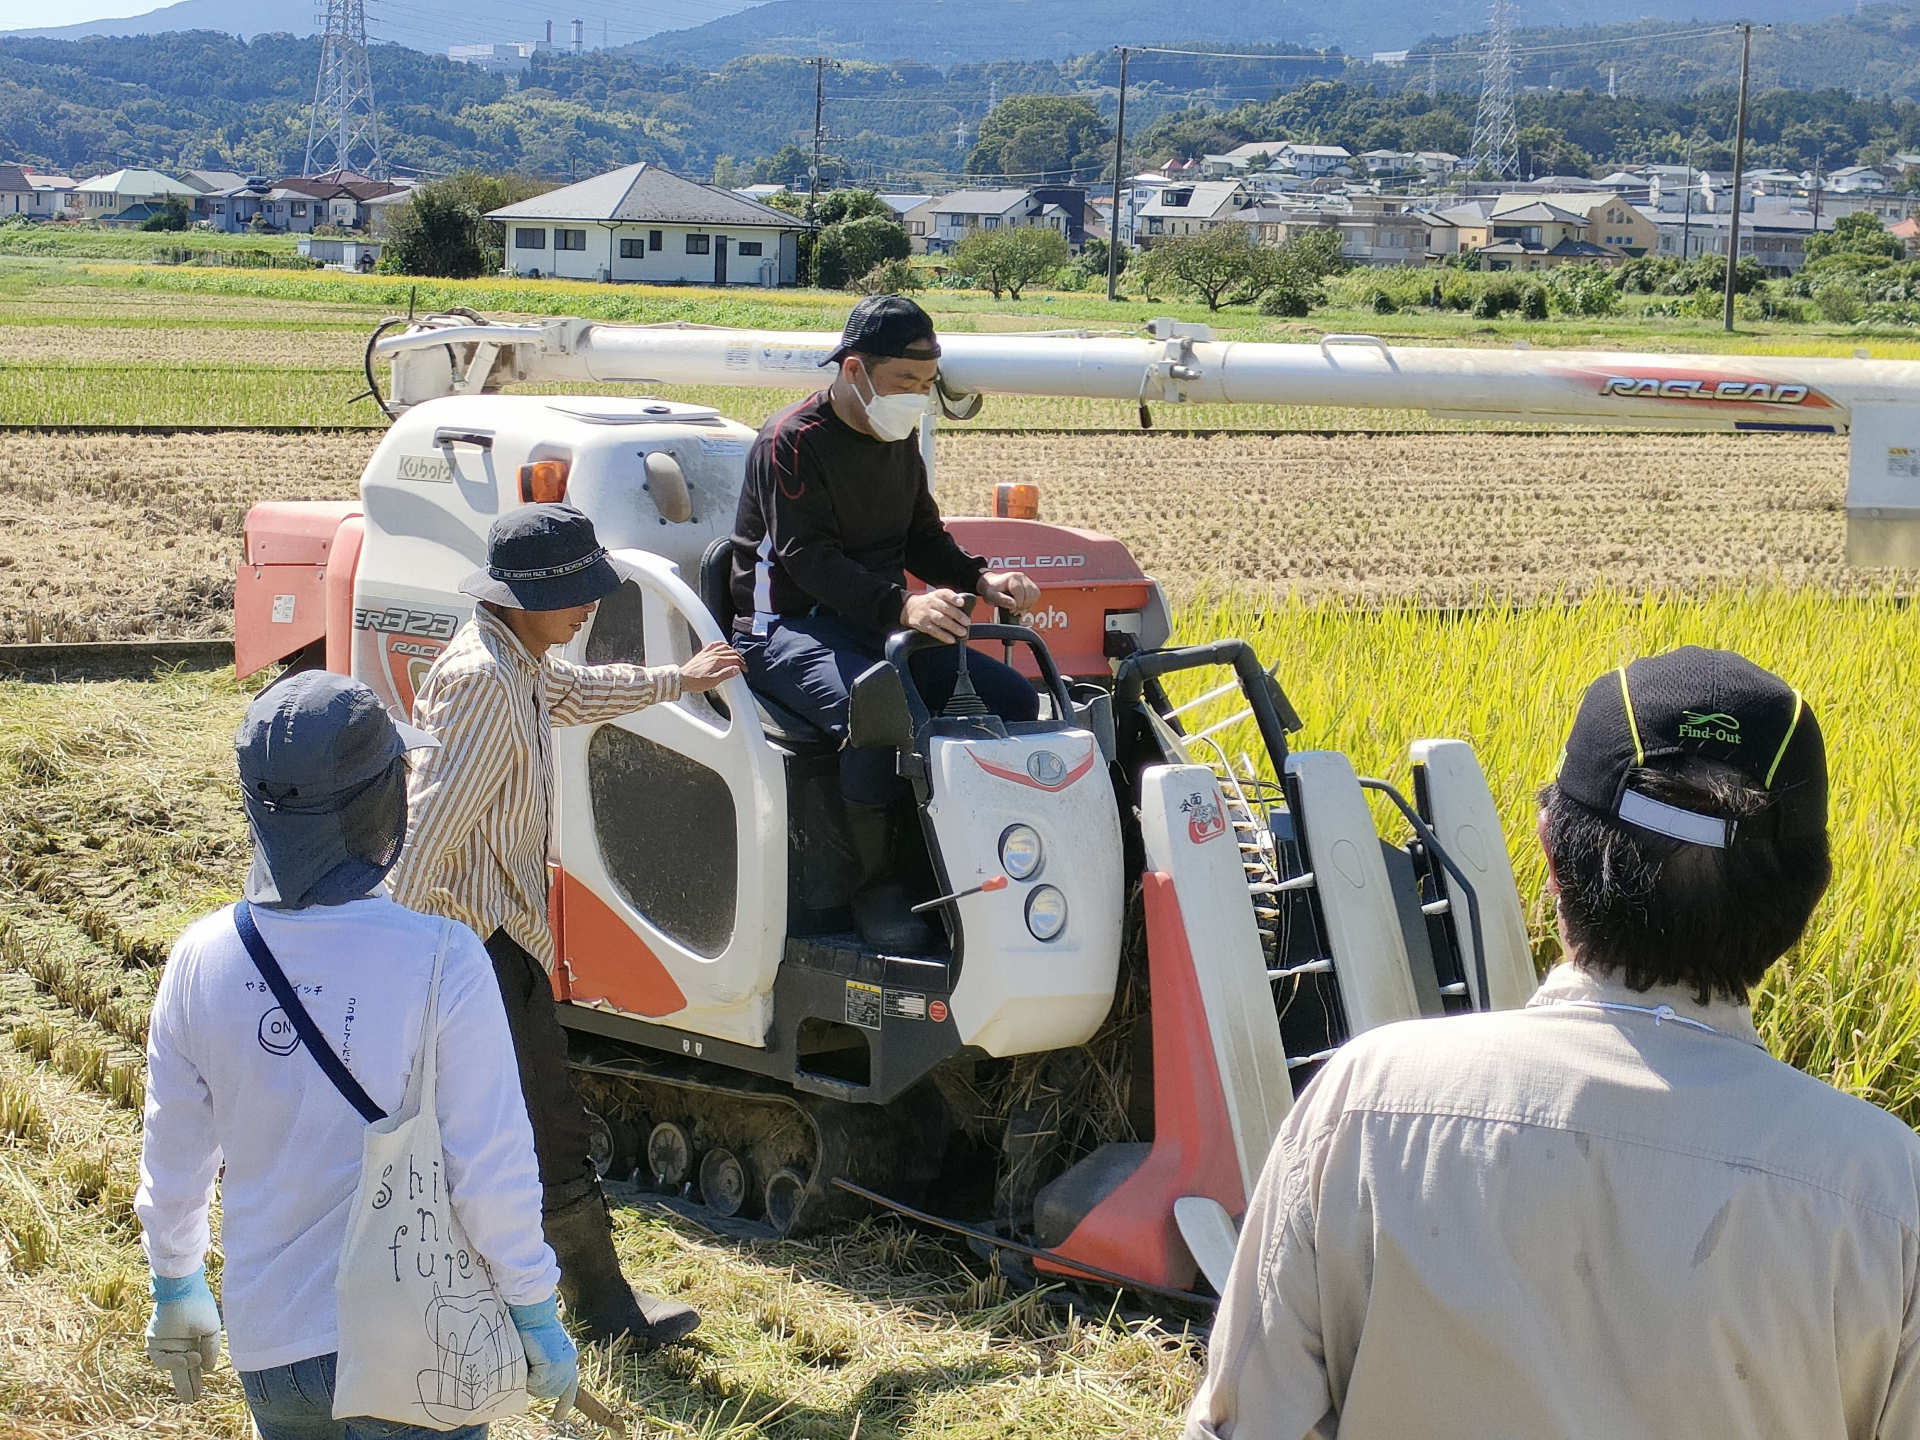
(819, 114)
(1739, 168)
(343, 125)
(1819, 185)
(1686, 225)
(1119, 152)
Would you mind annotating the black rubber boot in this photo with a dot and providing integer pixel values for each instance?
(600, 1305)
(882, 902)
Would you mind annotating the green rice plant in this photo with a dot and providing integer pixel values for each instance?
(127, 1086)
(21, 1117)
(35, 1041)
(82, 1059)
(1845, 1004)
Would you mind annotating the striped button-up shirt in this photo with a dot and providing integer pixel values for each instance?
(479, 808)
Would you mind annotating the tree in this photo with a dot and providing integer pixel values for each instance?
(1050, 138)
(1223, 265)
(437, 232)
(1545, 150)
(171, 216)
(846, 250)
(893, 277)
(1010, 259)
(1859, 233)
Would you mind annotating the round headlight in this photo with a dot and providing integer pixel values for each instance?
(1046, 913)
(1020, 853)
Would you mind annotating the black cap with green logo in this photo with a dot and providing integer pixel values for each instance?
(1711, 703)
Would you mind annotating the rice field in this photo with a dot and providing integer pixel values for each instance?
(136, 536)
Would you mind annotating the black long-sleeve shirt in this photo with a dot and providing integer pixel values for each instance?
(831, 520)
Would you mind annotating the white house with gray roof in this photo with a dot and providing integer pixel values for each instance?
(648, 225)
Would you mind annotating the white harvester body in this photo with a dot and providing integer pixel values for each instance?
(700, 876)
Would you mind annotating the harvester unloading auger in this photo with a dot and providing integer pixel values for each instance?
(1152, 944)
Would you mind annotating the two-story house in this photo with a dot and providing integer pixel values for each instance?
(1184, 210)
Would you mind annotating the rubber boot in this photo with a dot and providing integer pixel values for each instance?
(600, 1305)
(881, 902)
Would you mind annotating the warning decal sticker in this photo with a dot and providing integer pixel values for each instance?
(863, 1005)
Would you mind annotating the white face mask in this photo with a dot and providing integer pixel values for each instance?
(892, 417)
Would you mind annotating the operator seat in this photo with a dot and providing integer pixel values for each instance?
(782, 726)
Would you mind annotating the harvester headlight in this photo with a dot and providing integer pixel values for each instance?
(1020, 853)
(1046, 913)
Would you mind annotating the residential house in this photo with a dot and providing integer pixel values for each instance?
(763, 192)
(1612, 221)
(131, 197)
(915, 214)
(1774, 232)
(1907, 231)
(343, 199)
(1181, 170)
(1314, 161)
(1188, 209)
(643, 223)
(1458, 229)
(1374, 229)
(208, 181)
(234, 207)
(958, 215)
(1135, 195)
(41, 197)
(1540, 236)
(1856, 177)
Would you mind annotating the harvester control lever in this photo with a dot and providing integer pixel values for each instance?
(998, 882)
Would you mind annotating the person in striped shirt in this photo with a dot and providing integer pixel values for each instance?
(477, 849)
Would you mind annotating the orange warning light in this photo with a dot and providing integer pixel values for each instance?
(1016, 501)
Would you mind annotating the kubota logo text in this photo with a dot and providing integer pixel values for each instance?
(1695, 725)
(1047, 619)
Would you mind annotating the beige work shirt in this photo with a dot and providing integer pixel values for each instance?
(1570, 1221)
(479, 807)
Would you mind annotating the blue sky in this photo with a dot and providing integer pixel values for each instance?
(19, 14)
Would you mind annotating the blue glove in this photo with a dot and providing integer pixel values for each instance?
(553, 1365)
(183, 1336)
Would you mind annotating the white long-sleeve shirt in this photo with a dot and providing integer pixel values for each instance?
(229, 1081)
(1574, 1223)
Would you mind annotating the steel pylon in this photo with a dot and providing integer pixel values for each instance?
(1496, 140)
(343, 129)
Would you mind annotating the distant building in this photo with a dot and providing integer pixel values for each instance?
(341, 253)
(915, 214)
(1774, 233)
(1612, 222)
(1535, 235)
(1393, 59)
(1314, 161)
(508, 59)
(111, 197)
(1184, 210)
(1373, 229)
(40, 197)
(643, 223)
(958, 215)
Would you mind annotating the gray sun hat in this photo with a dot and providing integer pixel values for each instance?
(323, 775)
(543, 557)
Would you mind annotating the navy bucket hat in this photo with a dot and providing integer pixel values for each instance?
(543, 557)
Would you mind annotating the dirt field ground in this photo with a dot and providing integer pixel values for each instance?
(119, 536)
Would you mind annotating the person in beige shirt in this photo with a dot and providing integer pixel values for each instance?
(1609, 1215)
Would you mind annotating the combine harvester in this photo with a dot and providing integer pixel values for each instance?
(1133, 914)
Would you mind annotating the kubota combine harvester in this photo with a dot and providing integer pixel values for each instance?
(1151, 942)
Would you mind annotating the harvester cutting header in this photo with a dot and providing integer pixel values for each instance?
(1146, 942)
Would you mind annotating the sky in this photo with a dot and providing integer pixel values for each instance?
(20, 14)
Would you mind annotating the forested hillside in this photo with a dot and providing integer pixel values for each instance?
(205, 99)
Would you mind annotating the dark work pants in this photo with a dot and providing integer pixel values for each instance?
(561, 1140)
(809, 664)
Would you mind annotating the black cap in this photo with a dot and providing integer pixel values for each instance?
(889, 325)
(543, 557)
(1711, 703)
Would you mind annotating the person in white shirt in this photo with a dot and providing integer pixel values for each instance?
(1610, 1215)
(233, 1093)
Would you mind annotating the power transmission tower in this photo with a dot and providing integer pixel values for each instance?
(343, 129)
(1496, 142)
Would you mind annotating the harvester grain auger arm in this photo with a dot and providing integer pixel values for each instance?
(1876, 401)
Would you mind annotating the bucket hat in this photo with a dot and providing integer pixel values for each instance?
(543, 557)
(323, 775)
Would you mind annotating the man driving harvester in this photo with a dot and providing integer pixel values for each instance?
(477, 851)
(834, 513)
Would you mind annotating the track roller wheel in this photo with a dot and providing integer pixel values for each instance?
(600, 1145)
(670, 1156)
(786, 1192)
(723, 1182)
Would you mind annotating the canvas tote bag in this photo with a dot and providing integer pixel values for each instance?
(425, 1336)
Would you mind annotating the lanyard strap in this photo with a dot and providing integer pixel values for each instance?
(1662, 1014)
(303, 1026)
